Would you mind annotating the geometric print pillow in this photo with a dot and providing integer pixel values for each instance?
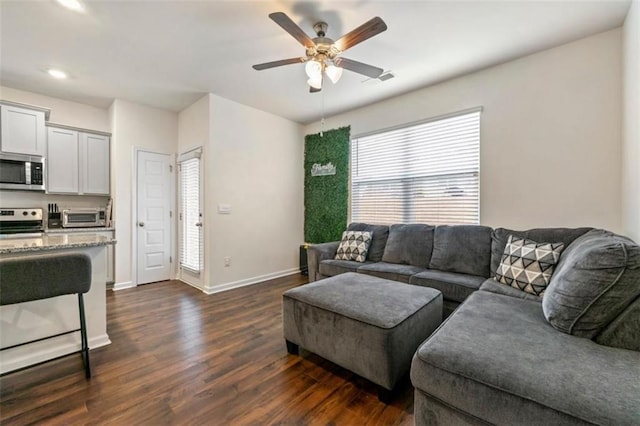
(527, 265)
(354, 246)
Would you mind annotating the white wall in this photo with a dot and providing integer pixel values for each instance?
(550, 135)
(631, 123)
(254, 163)
(133, 126)
(194, 131)
(62, 111)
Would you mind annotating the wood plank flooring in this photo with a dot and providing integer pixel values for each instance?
(181, 357)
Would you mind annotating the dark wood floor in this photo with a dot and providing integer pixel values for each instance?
(181, 357)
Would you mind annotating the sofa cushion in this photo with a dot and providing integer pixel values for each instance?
(497, 359)
(331, 267)
(379, 235)
(390, 271)
(354, 246)
(453, 286)
(462, 248)
(493, 286)
(553, 235)
(409, 244)
(597, 278)
(528, 265)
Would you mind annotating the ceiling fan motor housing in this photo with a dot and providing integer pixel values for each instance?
(323, 45)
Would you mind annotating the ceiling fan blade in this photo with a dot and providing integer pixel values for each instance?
(359, 67)
(292, 28)
(280, 63)
(365, 31)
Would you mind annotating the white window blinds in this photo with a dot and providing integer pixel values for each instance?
(421, 173)
(191, 241)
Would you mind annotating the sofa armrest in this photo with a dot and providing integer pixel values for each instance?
(317, 253)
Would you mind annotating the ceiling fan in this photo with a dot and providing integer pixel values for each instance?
(323, 54)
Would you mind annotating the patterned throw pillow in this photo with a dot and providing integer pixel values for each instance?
(354, 246)
(527, 265)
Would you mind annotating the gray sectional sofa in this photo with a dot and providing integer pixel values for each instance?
(456, 260)
(505, 356)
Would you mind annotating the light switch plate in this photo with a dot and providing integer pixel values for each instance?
(224, 208)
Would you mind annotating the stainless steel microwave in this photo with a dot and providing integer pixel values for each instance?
(21, 172)
(83, 217)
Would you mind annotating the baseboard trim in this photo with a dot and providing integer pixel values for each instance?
(48, 353)
(250, 281)
(123, 285)
(194, 285)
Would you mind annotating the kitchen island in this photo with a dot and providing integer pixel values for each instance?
(28, 321)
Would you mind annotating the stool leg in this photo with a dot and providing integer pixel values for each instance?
(83, 335)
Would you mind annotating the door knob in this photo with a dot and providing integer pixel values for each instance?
(141, 224)
(199, 224)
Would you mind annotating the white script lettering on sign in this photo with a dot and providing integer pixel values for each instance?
(323, 169)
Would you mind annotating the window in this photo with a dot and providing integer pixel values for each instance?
(419, 173)
(191, 242)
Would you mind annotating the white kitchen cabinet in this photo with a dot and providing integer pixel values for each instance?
(94, 164)
(62, 161)
(78, 161)
(22, 130)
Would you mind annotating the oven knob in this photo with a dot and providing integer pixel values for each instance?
(25, 213)
(33, 213)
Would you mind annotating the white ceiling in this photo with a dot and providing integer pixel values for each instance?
(167, 54)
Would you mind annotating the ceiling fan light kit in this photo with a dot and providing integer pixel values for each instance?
(322, 54)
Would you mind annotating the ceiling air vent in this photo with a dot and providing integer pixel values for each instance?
(386, 76)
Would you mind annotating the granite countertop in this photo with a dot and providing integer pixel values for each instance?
(76, 230)
(53, 242)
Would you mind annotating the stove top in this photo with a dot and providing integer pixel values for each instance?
(15, 221)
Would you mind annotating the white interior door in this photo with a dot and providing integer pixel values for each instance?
(153, 217)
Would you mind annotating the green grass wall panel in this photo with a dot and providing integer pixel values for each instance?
(326, 197)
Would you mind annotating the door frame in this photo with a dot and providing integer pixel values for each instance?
(134, 214)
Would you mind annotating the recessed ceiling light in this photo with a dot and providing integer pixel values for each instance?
(74, 5)
(57, 73)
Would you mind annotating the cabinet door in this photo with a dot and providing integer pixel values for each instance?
(94, 169)
(22, 131)
(62, 161)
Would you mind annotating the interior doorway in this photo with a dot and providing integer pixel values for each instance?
(153, 217)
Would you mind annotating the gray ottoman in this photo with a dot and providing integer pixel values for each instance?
(365, 324)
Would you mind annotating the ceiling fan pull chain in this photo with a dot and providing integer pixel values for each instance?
(322, 113)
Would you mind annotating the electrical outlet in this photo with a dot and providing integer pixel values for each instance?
(227, 261)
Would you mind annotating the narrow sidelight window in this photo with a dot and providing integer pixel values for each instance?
(191, 238)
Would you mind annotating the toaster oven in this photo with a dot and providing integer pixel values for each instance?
(83, 217)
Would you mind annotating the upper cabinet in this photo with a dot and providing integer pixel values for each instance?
(62, 161)
(94, 164)
(77, 161)
(22, 129)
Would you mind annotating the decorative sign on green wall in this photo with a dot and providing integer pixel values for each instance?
(326, 177)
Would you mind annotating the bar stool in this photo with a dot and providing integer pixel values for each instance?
(42, 277)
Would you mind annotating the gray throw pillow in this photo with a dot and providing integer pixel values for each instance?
(409, 244)
(465, 249)
(597, 278)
